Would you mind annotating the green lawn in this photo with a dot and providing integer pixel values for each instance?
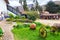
(27, 34)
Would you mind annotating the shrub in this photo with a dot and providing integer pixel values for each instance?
(53, 29)
(11, 16)
(22, 20)
(57, 25)
(26, 25)
(32, 18)
(38, 23)
(8, 19)
(48, 27)
(22, 17)
(18, 26)
(14, 26)
(43, 32)
(32, 15)
(1, 32)
(33, 26)
(17, 17)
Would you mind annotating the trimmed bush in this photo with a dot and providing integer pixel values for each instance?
(1, 32)
(33, 26)
(18, 26)
(22, 20)
(26, 25)
(53, 29)
(8, 19)
(38, 23)
(32, 18)
(47, 26)
(17, 17)
(32, 15)
(43, 32)
(11, 16)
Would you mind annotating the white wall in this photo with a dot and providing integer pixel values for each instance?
(3, 6)
(14, 0)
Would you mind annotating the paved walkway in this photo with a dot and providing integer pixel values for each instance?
(7, 30)
(48, 22)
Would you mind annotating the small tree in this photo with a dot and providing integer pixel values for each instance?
(33, 9)
(39, 8)
(52, 7)
(37, 5)
(25, 5)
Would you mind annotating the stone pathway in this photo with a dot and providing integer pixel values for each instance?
(7, 30)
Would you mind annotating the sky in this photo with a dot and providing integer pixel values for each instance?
(43, 2)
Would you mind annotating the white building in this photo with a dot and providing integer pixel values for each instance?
(12, 3)
(3, 7)
(16, 4)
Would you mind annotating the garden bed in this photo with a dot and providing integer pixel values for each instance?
(24, 33)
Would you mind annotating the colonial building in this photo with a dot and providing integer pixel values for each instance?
(3, 7)
(10, 5)
(47, 15)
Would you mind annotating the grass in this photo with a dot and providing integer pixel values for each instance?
(27, 34)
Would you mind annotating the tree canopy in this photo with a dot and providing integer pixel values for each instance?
(25, 5)
(51, 7)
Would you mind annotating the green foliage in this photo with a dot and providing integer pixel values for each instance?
(18, 26)
(33, 15)
(53, 29)
(17, 17)
(23, 25)
(26, 25)
(47, 26)
(39, 8)
(1, 32)
(32, 18)
(52, 7)
(38, 24)
(21, 33)
(11, 15)
(8, 19)
(37, 5)
(43, 32)
(23, 17)
(25, 5)
(22, 20)
(33, 9)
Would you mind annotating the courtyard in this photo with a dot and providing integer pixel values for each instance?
(29, 20)
(24, 33)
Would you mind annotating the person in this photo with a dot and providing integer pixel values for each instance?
(2, 15)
